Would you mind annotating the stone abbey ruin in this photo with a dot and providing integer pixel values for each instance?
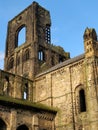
(41, 87)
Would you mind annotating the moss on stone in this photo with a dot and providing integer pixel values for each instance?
(26, 103)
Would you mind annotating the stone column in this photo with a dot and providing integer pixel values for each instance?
(12, 120)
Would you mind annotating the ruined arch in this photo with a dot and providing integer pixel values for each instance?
(20, 36)
(3, 125)
(22, 127)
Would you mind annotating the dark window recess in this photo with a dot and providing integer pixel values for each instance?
(47, 34)
(2, 125)
(82, 100)
(61, 59)
(22, 127)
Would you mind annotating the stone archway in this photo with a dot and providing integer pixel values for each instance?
(2, 125)
(23, 127)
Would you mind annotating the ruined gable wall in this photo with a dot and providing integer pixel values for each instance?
(14, 86)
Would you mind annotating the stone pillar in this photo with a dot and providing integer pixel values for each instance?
(35, 123)
(30, 90)
(17, 87)
(12, 120)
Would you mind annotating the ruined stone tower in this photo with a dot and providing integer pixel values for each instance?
(37, 53)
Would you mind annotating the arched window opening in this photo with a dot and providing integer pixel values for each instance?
(2, 125)
(25, 93)
(82, 101)
(47, 34)
(41, 55)
(22, 127)
(21, 36)
(11, 63)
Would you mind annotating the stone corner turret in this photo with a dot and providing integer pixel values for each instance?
(90, 42)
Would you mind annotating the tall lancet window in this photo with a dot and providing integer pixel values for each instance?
(82, 100)
(47, 34)
(20, 36)
(25, 94)
(41, 56)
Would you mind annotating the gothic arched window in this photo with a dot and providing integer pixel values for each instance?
(21, 35)
(41, 56)
(82, 100)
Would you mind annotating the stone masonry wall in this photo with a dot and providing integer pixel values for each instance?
(60, 88)
(56, 88)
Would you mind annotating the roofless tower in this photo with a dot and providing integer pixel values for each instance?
(37, 54)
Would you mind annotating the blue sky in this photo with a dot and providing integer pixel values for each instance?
(69, 20)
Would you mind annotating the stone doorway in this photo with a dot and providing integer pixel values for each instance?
(23, 127)
(2, 125)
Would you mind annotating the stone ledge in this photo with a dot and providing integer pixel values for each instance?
(24, 104)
